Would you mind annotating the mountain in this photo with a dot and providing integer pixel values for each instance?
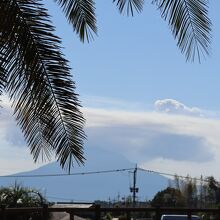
(90, 187)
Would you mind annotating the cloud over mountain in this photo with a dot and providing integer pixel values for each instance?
(157, 140)
(172, 106)
(178, 143)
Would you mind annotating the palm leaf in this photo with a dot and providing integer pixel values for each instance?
(189, 23)
(81, 14)
(2, 79)
(129, 6)
(39, 82)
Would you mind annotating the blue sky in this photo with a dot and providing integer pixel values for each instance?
(135, 59)
(139, 95)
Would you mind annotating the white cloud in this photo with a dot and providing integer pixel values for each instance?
(110, 103)
(174, 143)
(182, 167)
(172, 106)
(14, 154)
(9, 131)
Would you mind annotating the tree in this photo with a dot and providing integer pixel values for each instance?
(18, 196)
(37, 78)
(189, 191)
(204, 194)
(213, 191)
(169, 197)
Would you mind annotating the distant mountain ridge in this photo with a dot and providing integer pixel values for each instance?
(90, 187)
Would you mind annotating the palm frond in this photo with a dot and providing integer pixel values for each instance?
(129, 6)
(39, 82)
(2, 79)
(81, 14)
(189, 23)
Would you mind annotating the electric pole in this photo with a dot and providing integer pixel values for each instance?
(134, 189)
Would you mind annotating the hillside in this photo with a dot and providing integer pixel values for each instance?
(93, 186)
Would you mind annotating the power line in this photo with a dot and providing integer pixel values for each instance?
(172, 175)
(99, 172)
(64, 174)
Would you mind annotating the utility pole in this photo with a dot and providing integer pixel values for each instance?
(134, 189)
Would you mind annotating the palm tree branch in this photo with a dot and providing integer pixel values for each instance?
(3, 75)
(129, 6)
(30, 122)
(190, 25)
(81, 14)
(25, 106)
(46, 75)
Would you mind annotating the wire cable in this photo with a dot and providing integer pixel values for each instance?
(169, 174)
(101, 172)
(65, 174)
